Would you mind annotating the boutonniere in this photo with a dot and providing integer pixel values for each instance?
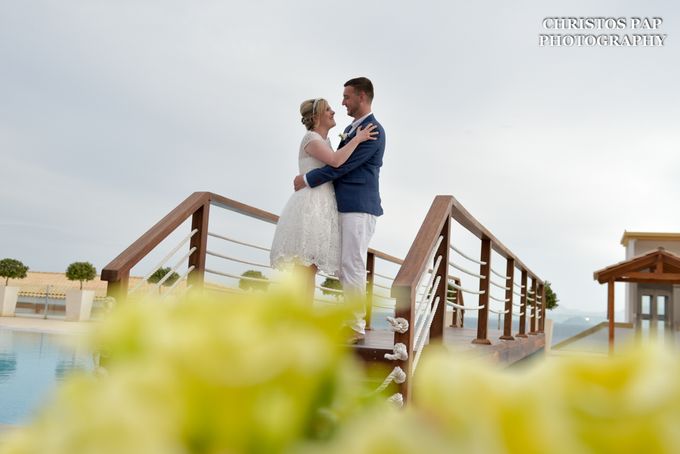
(343, 135)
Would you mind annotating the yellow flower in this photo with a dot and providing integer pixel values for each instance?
(242, 374)
(262, 373)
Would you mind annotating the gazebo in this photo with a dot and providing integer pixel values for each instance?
(658, 267)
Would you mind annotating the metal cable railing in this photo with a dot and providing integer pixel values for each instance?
(462, 254)
(165, 259)
(466, 271)
(499, 275)
(243, 243)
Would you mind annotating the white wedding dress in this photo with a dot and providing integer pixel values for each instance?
(308, 231)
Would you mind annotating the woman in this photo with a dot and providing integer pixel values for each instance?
(308, 232)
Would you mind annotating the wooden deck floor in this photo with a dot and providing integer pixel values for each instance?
(380, 341)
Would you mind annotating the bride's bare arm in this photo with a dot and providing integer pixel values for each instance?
(321, 151)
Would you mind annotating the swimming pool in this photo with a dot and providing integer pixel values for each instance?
(31, 366)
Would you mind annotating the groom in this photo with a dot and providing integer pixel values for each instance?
(357, 195)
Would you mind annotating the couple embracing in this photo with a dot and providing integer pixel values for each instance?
(330, 219)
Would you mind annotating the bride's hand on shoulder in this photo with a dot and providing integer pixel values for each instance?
(370, 132)
(338, 158)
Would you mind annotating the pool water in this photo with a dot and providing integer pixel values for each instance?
(31, 366)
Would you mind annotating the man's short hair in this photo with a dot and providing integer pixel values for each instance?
(361, 84)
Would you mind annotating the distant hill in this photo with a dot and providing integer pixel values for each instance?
(571, 316)
(578, 320)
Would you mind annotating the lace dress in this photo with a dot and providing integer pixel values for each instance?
(308, 231)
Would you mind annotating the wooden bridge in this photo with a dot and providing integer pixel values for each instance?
(428, 280)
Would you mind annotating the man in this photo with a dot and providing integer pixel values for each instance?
(357, 195)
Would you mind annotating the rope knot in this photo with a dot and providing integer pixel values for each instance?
(397, 400)
(399, 375)
(399, 325)
(400, 353)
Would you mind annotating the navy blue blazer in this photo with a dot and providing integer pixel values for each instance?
(356, 181)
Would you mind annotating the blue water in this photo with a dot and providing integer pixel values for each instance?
(31, 367)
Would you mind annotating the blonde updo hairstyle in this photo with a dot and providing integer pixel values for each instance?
(311, 110)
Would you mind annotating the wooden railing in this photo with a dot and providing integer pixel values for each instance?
(420, 260)
(429, 255)
(197, 207)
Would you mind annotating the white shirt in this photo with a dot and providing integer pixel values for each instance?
(355, 124)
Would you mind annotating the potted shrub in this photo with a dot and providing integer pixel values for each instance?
(10, 269)
(334, 284)
(79, 301)
(159, 274)
(253, 285)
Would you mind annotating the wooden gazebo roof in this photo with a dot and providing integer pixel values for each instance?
(658, 266)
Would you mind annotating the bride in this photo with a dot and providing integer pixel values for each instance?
(308, 232)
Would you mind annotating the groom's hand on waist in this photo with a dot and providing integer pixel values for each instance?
(299, 182)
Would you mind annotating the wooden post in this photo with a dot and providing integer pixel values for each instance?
(403, 310)
(370, 268)
(437, 327)
(524, 308)
(610, 311)
(199, 220)
(454, 314)
(509, 286)
(534, 289)
(541, 322)
(484, 270)
(407, 280)
(459, 300)
(119, 289)
(539, 304)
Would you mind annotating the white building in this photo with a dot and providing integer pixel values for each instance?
(654, 302)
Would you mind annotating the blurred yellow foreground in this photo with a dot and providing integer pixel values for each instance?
(263, 374)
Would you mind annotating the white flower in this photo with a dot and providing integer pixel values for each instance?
(343, 136)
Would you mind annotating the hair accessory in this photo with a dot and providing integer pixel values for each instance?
(316, 101)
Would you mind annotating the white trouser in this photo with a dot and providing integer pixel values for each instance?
(356, 232)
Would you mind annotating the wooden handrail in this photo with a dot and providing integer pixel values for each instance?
(445, 208)
(417, 258)
(242, 208)
(464, 218)
(386, 257)
(122, 264)
(120, 267)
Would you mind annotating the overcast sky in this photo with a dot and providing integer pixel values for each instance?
(111, 113)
